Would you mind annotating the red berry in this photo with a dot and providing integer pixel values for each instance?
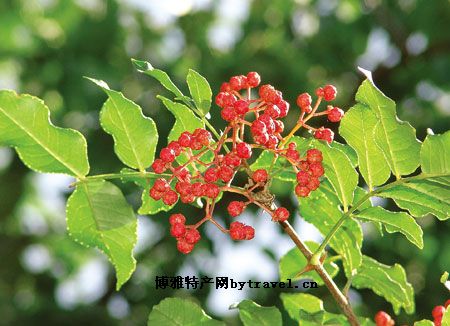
(253, 79)
(303, 165)
(303, 178)
(192, 236)
(170, 197)
(273, 111)
(235, 208)
(304, 102)
(324, 134)
(313, 183)
(184, 247)
(236, 83)
(185, 139)
(197, 189)
(281, 214)
(275, 97)
(177, 219)
(237, 231)
(261, 138)
(329, 92)
(159, 166)
(155, 194)
(316, 169)
(211, 175)
(258, 127)
(249, 232)
(292, 154)
(187, 198)
(268, 121)
(226, 173)
(228, 114)
(177, 230)
(438, 312)
(383, 319)
(167, 155)
(176, 147)
(211, 190)
(447, 303)
(220, 99)
(314, 155)
(244, 150)
(284, 108)
(279, 126)
(195, 144)
(272, 142)
(260, 175)
(335, 114)
(161, 185)
(225, 87)
(203, 136)
(319, 92)
(231, 159)
(302, 191)
(241, 107)
(265, 91)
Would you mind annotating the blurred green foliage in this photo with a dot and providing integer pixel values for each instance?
(47, 46)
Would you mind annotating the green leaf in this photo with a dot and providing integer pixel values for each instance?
(177, 312)
(446, 318)
(253, 314)
(396, 138)
(185, 119)
(161, 76)
(421, 197)
(339, 171)
(435, 154)
(394, 222)
(424, 322)
(322, 210)
(357, 128)
(311, 319)
(99, 216)
(25, 125)
(350, 152)
(294, 261)
(135, 136)
(293, 302)
(200, 91)
(388, 282)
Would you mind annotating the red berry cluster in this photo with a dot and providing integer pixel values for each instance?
(438, 312)
(198, 177)
(334, 114)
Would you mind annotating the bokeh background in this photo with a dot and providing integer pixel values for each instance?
(47, 46)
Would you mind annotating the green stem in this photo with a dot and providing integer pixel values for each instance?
(347, 214)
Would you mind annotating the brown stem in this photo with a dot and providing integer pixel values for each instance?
(329, 283)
